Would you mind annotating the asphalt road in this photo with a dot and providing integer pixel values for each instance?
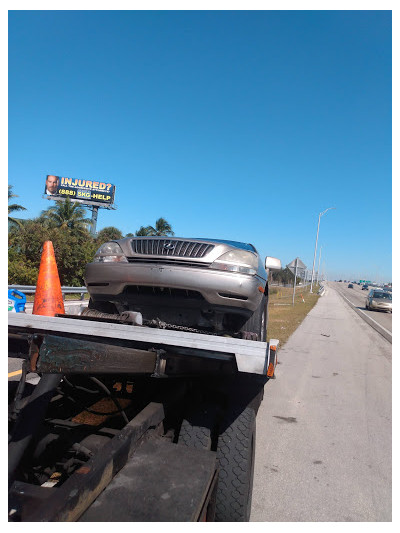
(323, 450)
(357, 296)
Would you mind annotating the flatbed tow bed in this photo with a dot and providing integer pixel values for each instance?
(181, 399)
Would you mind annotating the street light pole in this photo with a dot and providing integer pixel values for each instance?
(319, 263)
(316, 244)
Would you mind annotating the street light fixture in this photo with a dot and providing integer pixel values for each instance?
(316, 244)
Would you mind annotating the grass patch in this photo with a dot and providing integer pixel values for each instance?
(284, 318)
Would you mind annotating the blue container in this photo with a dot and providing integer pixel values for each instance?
(16, 301)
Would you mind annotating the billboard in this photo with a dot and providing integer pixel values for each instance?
(83, 190)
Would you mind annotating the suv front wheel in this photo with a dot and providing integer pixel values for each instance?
(258, 321)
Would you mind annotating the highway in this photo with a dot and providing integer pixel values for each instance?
(323, 449)
(357, 296)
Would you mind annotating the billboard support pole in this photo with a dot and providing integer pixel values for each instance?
(95, 211)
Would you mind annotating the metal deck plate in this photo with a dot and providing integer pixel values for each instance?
(162, 482)
(250, 355)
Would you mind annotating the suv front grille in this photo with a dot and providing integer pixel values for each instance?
(174, 262)
(171, 247)
(164, 292)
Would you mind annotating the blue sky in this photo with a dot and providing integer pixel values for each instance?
(242, 125)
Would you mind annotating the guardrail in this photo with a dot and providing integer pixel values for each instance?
(31, 289)
(290, 285)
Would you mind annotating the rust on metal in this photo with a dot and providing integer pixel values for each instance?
(33, 355)
(83, 470)
(71, 356)
(106, 406)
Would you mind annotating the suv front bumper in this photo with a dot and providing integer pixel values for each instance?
(218, 288)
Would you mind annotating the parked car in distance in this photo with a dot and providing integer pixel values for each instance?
(208, 284)
(379, 300)
(365, 287)
(350, 286)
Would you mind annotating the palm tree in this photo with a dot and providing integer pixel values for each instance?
(13, 207)
(143, 231)
(162, 228)
(67, 214)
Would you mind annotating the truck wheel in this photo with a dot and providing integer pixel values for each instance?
(235, 453)
(197, 426)
(257, 323)
(194, 436)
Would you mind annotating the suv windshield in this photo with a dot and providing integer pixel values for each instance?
(384, 295)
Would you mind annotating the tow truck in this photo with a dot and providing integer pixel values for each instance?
(132, 422)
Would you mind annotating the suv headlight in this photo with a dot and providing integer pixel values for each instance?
(110, 252)
(237, 261)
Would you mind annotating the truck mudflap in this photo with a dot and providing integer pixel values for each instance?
(60, 345)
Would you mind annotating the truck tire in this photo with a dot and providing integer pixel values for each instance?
(197, 427)
(194, 436)
(258, 321)
(235, 453)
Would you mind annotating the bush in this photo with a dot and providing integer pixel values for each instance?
(22, 273)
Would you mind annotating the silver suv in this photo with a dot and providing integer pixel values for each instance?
(208, 284)
(379, 300)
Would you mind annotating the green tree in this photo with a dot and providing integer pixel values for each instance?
(73, 250)
(20, 270)
(67, 215)
(143, 231)
(284, 276)
(110, 233)
(162, 228)
(13, 207)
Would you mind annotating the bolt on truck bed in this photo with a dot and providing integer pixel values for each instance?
(154, 455)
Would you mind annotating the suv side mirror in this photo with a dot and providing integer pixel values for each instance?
(272, 263)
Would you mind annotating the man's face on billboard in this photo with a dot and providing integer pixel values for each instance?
(51, 184)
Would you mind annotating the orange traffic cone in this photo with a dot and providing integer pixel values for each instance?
(48, 296)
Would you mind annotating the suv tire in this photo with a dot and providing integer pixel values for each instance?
(258, 322)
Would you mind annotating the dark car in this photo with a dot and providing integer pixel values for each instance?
(350, 286)
(207, 284)
(365, 287)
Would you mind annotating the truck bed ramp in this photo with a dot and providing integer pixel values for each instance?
(250, 356)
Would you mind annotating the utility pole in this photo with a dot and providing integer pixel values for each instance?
(295, 277)
(316, 244)
(319, 262)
